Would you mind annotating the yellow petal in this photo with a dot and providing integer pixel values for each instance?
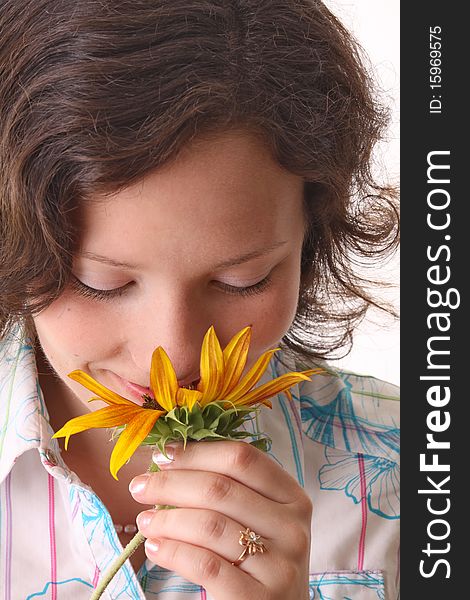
(188, 398)
(97, 388)
(252, 377)
(317, 371)
(163, 382)
(109, 416)
(266, 402)
(130, 439)
(280, 384)
(235, 355)
(211, 366)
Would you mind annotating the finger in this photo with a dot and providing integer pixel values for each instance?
(207, 529)
(199, 489)
(238, 460)
(201, 566)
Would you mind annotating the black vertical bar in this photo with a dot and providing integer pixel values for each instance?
(434, 327)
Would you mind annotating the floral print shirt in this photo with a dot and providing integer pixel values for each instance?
(339, 437)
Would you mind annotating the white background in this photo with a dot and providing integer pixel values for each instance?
(375, 24)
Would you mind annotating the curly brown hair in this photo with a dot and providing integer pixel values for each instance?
(94, 95)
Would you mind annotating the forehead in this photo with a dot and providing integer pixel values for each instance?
(222, 190)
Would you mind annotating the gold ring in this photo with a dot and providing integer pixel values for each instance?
(252, 544)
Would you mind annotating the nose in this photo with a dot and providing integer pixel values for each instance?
(177, 324)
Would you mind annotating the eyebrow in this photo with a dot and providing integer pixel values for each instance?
(106, 260)
(249, 256)
(223, 265)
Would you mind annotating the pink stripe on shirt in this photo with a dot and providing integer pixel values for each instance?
(7, 595)
(96, 578)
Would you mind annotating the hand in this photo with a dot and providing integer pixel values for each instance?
(220, 488)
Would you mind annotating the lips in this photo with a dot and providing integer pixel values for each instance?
(129, 389)
(134, 391)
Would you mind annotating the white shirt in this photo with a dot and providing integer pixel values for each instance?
(339, 437)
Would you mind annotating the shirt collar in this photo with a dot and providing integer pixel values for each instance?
(23, 414)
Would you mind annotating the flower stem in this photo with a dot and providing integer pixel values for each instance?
(126, 553)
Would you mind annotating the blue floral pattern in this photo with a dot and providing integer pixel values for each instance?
(381, 476)
(344, 415)
(347, 585)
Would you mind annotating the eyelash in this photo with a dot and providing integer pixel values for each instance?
(89, 292)
(249, 290)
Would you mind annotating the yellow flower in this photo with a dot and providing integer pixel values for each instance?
(138, 420)
(221, 381)
(221, 373)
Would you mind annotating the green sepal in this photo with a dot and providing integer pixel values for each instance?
(235, 435)
(161, 428)
(205, 433)
(263, 444)
(196, 419)
(211, 415)
(215, 421)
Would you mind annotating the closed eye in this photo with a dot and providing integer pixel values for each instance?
(249, 290)
(97, 294)
(89, 292)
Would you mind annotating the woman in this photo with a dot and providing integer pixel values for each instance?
(167, 166)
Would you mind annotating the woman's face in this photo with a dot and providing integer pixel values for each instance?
(215, 238)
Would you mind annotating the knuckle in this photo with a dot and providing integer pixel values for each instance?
(305, 505)
(297, 537)
(219, 488)
(290, 572)
(242, 457)
(214, 526)
(300, 541)
(208, 567)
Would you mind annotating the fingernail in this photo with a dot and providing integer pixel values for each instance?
(144, 518)
(152, 545)
(160, 459)
(138, 484)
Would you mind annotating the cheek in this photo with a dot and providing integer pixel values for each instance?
(72, 330)
(274, 317)
(271, 314)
